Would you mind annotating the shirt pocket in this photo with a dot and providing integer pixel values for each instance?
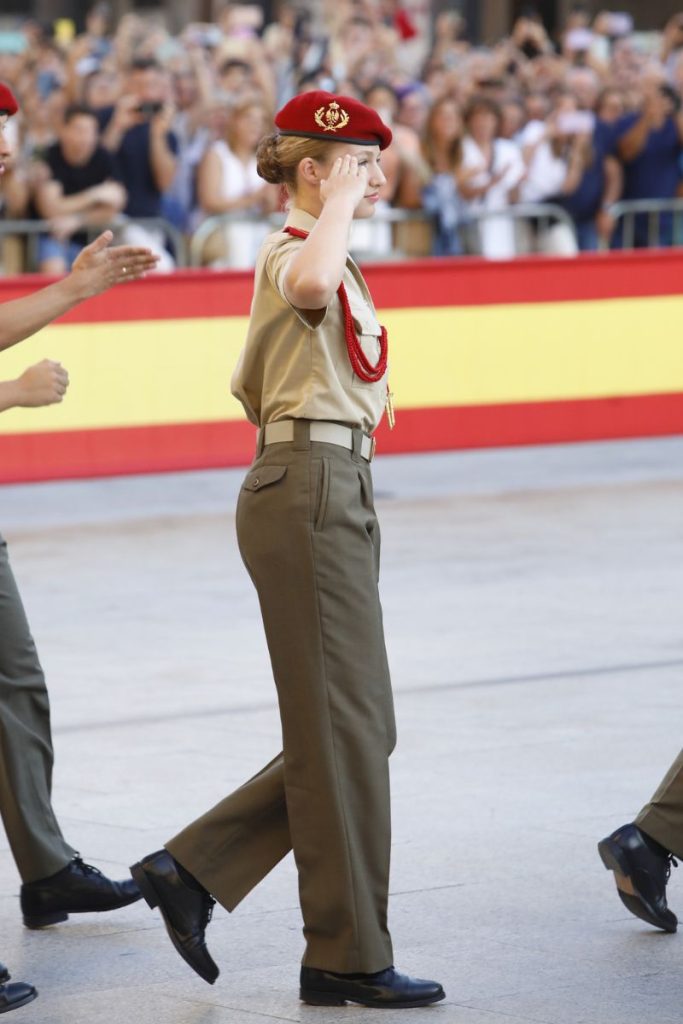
(368, 331)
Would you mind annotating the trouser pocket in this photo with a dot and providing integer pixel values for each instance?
(322, 495)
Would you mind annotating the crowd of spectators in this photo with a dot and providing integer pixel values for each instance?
(130, 119)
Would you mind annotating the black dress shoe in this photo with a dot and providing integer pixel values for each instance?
(4, 974)
(186, 909)
(15, 995)
(387, 989)
(77, 889)
(641, 870)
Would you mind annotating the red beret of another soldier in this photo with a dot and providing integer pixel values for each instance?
(324, 115)
(8, 104)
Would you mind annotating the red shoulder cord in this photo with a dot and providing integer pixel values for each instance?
(362, 366)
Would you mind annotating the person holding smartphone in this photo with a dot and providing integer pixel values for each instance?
(138, 132)
(650, 145)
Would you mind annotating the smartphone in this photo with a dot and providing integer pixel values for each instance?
(208, 36)
(579, 40)
(150, 109)
(46, 83)
(618, 24)
(576, 122)
(12, 42)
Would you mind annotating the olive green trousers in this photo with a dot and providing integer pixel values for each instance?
(662, 817)
(36, 841)
(309, 537)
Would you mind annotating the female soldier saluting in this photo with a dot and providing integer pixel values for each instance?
(312, 376)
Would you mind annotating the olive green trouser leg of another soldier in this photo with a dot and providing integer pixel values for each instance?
(35, 838)
(662, 817)
(309, 537)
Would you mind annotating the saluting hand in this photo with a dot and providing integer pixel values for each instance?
(42, 384)
(98, 267)
(347, 178)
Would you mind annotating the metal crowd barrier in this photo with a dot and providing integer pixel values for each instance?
(33, 228)
(276, 220)
(626, 212)
(207, 227)
(543, 214)
(190, 252)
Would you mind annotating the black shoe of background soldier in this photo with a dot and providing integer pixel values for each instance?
(15, 995)
(77, 889)
(185, 908)
(386, 989)
(4, 974)
(641, 869)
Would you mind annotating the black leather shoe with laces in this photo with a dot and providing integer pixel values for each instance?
(15, 995)
(387, 989)
(186, 909)
(641, 870)
(78, 888)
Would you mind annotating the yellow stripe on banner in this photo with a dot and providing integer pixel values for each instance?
(178, 371)
(482, 355)
(133, 373)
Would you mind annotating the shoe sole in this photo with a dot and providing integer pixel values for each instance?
(151, 898)
(36, 921)
(613, 859)
(312, 998)
(21, 1002)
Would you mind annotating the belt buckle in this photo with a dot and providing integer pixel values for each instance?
(373, 448)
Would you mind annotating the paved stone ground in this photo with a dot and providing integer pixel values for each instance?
(533, 611)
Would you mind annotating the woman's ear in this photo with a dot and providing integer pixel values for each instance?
(311, 171)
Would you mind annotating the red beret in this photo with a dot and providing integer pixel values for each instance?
(324, 115)
(8, 104)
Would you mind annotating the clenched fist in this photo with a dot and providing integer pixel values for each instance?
(42, 384)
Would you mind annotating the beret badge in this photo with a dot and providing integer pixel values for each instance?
(331, 118)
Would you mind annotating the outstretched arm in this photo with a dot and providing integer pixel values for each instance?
(95, 269)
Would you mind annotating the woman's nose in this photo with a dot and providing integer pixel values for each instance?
(378, 177)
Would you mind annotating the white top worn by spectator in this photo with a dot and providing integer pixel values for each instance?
(546, 172)
(238, 179)
(497, 234)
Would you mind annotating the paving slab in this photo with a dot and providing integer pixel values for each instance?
(532, 607)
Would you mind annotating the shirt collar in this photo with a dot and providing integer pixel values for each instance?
(297, 218)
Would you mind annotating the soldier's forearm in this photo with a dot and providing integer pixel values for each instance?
(9, 394)
(21, 318)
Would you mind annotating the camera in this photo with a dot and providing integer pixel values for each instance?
(150, 109)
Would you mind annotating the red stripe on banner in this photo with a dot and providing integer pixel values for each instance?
(492, 426)
(31, 457)
(122, 450)
(472, 282)
(430, 282)
(180, 296)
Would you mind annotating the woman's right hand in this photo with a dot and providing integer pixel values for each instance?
(347, 179)
(42, 384)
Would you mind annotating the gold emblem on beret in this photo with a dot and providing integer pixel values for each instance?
(332, 118)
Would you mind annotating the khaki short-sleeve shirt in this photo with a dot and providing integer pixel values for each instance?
(295, 366)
